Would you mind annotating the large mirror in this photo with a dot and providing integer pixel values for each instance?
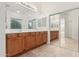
(17, 17)
(14, 16)
(42, 22)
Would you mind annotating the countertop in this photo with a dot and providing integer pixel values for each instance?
(28, 30)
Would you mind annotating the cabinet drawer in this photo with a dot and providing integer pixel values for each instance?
(20, 35)
(11, 35)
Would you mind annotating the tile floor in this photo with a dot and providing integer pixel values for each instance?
(50, 51)
(68, 44)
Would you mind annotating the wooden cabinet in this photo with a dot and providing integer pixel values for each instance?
(18, 42)
(33, 39)
(41, 37)
(38, 38)
(54, 35)
(44, 37)
(10, 46)
(27, 42)
(14, 44)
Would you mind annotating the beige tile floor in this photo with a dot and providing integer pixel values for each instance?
(71, 44)
(68, 44)
(50, 51)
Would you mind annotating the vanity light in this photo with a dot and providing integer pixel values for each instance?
(18, 11)
(29, 6)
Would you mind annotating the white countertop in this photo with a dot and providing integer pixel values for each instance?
(28, 30)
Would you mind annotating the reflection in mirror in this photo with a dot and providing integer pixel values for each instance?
(42, 22)
(54, 29)
(15, 23)
(32, 24)
(54, 21)
(39, 22)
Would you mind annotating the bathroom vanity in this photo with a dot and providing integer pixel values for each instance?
(17, 43)
(21, 42)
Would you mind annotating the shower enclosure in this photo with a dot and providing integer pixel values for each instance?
(67, 24)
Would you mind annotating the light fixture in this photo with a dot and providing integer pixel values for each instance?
(18, 11)
(29, 6)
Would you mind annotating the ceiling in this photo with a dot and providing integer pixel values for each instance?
(14, 7)
(47, 8)
(44, 8)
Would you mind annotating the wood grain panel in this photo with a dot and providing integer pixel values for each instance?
(54, 35)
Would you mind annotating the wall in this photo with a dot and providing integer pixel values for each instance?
(2, 30)
(74, 18)
(55, 7)
(72, 24)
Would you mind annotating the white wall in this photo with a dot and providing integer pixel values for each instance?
(72, 24)
(48, 8)
(2, 30)
(74, 18)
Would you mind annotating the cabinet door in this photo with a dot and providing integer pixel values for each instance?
(19, 43)
(41, 38)
(44, 37)
(37, 38)
(15, 44)
(54, 35)
(11, 46)
(27, 41)
(33, 39)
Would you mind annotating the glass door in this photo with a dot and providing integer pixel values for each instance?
(54, 29)
(70, 30)
(64, 29)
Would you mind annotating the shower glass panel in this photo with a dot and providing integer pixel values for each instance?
(54, 29)
(70, 38)
(66, 25)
